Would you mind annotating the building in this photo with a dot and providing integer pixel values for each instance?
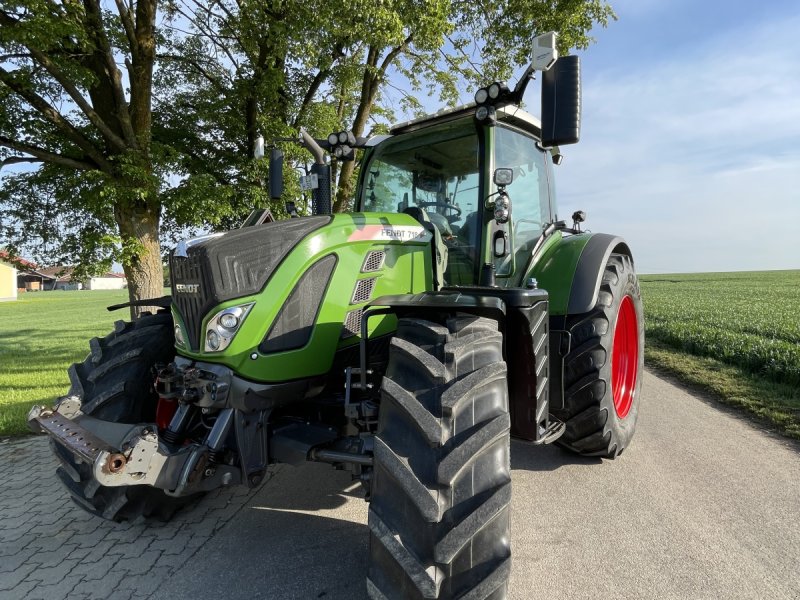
(32, 280)
(109, 281)
(20, 275)
(60, 278)
(28, 279)
(8, 281)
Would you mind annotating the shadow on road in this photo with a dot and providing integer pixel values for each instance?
(528, 457)
(304, 535)
(273, 547)
(309, 487)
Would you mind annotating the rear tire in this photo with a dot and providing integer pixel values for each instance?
(441, 490)
(115, 383)
(603, 369)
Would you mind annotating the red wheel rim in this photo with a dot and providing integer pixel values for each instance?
(625, 358)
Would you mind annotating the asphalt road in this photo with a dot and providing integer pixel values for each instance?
(702, 505)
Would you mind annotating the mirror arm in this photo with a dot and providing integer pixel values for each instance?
(522, 85)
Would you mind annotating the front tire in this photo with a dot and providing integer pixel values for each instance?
(115, 383)
(439, 511)
(603, 369)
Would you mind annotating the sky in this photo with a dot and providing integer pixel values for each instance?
(690, 141)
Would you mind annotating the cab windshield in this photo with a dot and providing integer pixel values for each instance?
(435, 173)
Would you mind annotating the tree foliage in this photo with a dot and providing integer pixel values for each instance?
(65, 105)
(143, 125)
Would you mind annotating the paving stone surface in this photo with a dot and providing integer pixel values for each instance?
(702, 505)
(51, 549)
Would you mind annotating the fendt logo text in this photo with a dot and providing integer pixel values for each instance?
(187, 288)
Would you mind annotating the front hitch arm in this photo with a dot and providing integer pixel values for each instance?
(139, 460)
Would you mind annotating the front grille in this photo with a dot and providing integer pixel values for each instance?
(363, 290)
(373, 261)
(236, 264)
(352, 324)
(190, 304)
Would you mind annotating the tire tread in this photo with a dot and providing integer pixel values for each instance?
(114, 383)
(438, 518)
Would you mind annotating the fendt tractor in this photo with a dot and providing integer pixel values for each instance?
(408, 342)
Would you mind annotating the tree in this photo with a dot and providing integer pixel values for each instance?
(121, 163)
(246, 67)
(487, 41)
(65, 105)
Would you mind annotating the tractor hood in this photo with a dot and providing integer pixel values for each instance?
(233, 265)
(296, 288)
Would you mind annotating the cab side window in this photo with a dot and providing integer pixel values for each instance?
(529, 192)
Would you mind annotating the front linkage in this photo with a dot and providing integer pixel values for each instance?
(240, 443)
(140, 456)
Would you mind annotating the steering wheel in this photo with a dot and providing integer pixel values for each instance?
(453, 207)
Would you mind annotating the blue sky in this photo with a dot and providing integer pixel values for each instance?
(690, 142)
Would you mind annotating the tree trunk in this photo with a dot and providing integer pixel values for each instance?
(139, 230)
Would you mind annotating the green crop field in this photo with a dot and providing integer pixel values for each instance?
(749, 320)
(746, 329)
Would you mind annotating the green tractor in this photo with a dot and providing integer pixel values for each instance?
(408, 342)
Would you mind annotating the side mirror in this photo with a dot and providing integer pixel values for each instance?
(503, 176)
(276, 174)
(561, 102)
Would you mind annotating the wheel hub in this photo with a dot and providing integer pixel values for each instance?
(625, 357)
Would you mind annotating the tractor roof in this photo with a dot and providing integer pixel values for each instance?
(507, 114)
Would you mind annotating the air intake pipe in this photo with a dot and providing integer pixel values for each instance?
(321, 195)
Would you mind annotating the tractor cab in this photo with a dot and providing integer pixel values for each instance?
(441, 171)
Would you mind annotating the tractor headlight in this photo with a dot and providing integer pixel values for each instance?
(229, 321)
(498, 90)
(180, 340)
(224, 325)
(502, 208)
(486, 113)
(501, 215)
(213, 341)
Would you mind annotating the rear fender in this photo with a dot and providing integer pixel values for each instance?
(572, 272)
(589, 270)
(572, 269)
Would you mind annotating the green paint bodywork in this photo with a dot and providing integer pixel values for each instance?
(407, 269)
(554, 269)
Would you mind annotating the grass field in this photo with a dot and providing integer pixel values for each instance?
(743, 329)
(734, 335)
(41, 334)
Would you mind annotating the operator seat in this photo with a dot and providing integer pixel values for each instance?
(442, 224)
(459, 269)
(438, 244)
